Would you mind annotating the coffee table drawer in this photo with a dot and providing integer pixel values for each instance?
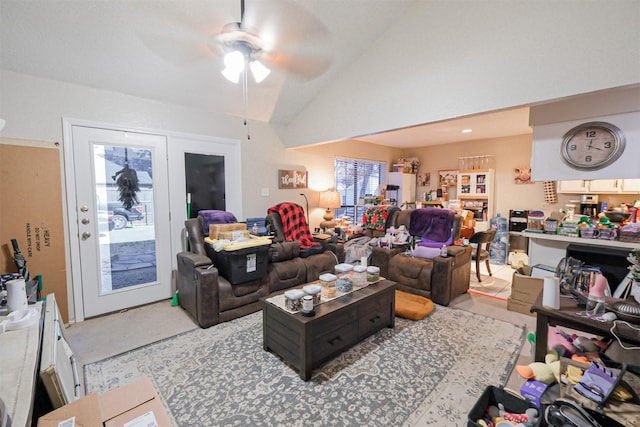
(333, 321)
(373, 316)
(333, 342)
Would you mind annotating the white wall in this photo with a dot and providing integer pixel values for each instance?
(34, 108)
(449, 59)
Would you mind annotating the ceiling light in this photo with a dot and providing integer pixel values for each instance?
(259, 71)
(234, 65)
(467, 130)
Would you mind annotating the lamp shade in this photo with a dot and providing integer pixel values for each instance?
(329, 199)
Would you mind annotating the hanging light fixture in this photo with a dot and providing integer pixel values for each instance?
(243, 48)
(240, 53)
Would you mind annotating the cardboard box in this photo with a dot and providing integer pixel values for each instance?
(519, 306)
(216, 229)
(524, 287)
(234, 235)
(129, 404)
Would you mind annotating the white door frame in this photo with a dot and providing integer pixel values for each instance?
(178, 144)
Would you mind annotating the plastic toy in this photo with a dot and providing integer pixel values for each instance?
(529, 416)
(547, 372)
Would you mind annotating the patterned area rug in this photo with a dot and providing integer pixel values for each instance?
(429, 372)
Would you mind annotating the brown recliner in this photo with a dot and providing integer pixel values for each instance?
(210, 298)
(318, 261)
(441, 278)
(205, 295)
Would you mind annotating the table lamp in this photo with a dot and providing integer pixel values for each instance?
(329, 200)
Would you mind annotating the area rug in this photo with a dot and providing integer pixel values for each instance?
(420, 373)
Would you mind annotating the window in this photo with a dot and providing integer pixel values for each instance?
(355, 179)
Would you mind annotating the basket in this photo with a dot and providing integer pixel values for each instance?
(493, 395)
(629, 236)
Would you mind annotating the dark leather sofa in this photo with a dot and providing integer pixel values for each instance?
(210, 298)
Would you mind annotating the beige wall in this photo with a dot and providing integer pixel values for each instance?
(508, 153)
(318, 160)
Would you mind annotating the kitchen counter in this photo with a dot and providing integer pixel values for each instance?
(549, 249)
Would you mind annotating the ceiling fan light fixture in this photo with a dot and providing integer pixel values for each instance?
(234, 61)
(259, 71)
(232, 76)
(234, 65)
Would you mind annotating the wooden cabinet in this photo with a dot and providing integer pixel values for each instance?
(600, 186)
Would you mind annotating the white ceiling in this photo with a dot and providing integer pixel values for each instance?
(163, 50)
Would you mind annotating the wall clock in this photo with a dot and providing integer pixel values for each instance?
(592, 145)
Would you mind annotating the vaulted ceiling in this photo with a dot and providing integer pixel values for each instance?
(165, 50)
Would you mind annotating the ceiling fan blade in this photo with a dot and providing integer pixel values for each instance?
(300, 66)
(294, 39)
(184, 33)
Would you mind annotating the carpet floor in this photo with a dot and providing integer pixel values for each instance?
(428, 372)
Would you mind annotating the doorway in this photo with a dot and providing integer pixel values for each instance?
(124, 175)
(205, 182)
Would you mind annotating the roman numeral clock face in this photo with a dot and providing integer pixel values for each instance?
(592, 145)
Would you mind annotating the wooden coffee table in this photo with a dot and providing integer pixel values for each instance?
(307, 342)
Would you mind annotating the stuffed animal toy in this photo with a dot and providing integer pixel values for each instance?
(547, 372)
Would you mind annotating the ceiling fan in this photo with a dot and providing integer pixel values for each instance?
(243, 47)
(274, 35)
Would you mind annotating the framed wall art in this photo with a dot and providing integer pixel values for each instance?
(290, 179)
(448, 177)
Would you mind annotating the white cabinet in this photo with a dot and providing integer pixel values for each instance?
(475, 183)
(475, 190)
(406, 183)
(573, 186)
(58, 369)
(631, 185)
(605, 185)
(602, 186)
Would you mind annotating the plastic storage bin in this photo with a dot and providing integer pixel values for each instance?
(242, 265)
(493, 395)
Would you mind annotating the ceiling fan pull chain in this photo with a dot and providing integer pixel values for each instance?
(245, 90)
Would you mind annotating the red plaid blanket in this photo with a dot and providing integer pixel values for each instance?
(294, 224)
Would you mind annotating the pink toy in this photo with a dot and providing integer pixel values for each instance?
(599, 286)
(530, 415)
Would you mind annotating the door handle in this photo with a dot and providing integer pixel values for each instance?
(86, 235)
(84, 208)
(85, 221)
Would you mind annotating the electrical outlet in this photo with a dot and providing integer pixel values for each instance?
(265, 191)
(546, 206)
